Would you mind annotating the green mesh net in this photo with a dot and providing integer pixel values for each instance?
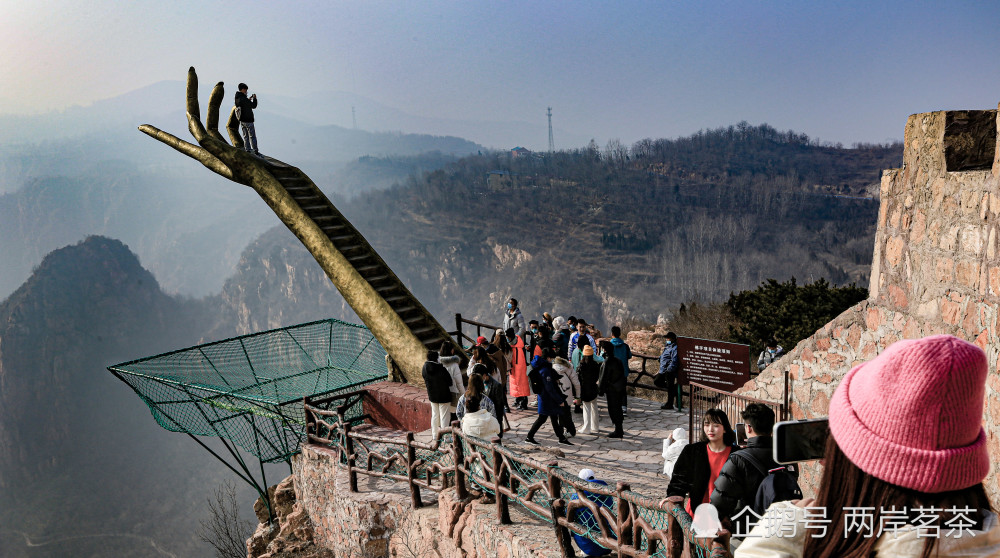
(249, 389)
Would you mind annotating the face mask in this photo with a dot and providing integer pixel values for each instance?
(509, 306)
(534, 330)
(669, 342)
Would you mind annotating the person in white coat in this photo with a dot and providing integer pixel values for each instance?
(569, 384)
(672, 446)
(453, 364)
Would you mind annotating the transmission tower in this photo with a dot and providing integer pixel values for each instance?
(552, 143)
(354, 117)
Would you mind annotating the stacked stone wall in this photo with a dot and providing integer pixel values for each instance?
(936, 269)
(380, 521)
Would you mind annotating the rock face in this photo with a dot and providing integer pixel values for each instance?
(291, 534)
(934, 271)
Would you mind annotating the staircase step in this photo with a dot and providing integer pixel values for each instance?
(342, 237)
(367, 268)
(377, 278)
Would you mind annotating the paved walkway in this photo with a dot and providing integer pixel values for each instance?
(636, 458)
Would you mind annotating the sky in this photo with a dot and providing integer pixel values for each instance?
(838, 71)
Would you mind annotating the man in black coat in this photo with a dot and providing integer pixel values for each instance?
(612, 384)
(736, 486)
(437, 380)
(246, 105)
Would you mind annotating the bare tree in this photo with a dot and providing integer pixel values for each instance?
(224, 529)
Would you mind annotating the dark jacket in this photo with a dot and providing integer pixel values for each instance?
(551, 398)
(668, 360)
(691, 472)
(438, 382)
(246, 106)
(612, 380)
(588, 373)
(622, 352)
(737, 484)
(494, 391)
(561, 341)
(585, 519)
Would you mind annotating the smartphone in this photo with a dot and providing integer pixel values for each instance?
(741, 433)
(800, 440)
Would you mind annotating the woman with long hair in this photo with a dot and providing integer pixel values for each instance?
(475, 392)
(502, 354)
(700, 463)
(907, 444)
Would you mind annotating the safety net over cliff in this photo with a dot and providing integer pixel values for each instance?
(249, 389)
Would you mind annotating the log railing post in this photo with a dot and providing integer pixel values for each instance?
(500, 476)
(557, 509)
(676, 546)
(458, 453)
(352, 475)
(626, 521)
(458, 328)
(411, 459)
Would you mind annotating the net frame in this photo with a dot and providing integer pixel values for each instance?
(249, 389)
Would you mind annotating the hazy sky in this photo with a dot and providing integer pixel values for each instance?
(843, 71)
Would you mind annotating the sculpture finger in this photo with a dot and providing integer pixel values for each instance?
(189, 149)
(193, 110)
(233, 127)
(212, 118)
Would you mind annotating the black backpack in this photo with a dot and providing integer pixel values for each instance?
(535, 381)
(779, 484)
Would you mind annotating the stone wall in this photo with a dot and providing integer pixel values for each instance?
(380, 521)
(935, 270)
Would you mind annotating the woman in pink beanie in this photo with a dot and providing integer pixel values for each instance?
(904, 464)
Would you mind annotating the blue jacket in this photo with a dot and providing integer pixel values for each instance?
(668, 360)
(584, 518)
(551, 398)
(622, 352)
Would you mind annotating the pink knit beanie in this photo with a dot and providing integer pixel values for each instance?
(913, 415)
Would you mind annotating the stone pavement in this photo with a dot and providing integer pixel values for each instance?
(635, 459)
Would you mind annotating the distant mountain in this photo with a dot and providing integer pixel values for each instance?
(88, 170)
(84, 469)
(161, 104)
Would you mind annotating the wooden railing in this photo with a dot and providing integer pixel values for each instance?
(460, 335)
(627, 522)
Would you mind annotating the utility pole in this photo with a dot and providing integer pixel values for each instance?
(552, 143)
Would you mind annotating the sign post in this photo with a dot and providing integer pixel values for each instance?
(718, 364)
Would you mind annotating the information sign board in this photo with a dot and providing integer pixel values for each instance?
(717, 364)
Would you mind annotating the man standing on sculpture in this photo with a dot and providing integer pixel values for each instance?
(244, 111)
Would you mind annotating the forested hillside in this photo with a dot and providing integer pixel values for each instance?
(630, 231)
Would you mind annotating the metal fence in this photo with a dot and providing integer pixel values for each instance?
(617, 518)
(704, 398)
